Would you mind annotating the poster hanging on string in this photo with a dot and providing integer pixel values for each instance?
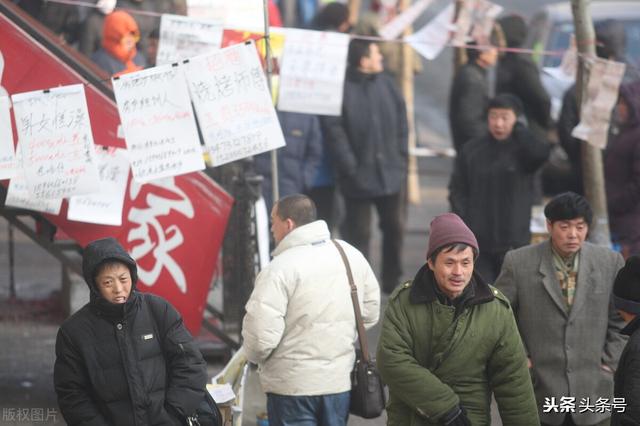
(158, 123)
(313, 71)
(233, 104)
(7, 151)
(182, 38)
(104, 207)
(56, 142)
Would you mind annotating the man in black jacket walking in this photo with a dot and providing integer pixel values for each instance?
(492, 185)
(125, 358)
(368, 143)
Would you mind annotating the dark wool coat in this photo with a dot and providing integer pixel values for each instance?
(517, 74)
(468, 103)
(298, 161)
(131, 364)
(434, 359)
(622, 173)
(492, 187)
(627, 378)
(368, 142)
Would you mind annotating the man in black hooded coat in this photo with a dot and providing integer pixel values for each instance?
(125, 358)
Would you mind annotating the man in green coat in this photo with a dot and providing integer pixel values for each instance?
(449, 341)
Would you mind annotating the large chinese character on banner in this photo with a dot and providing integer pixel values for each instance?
(173, 227)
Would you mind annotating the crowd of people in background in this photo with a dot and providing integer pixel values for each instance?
(562, 304)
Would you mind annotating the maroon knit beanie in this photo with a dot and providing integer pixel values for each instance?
(447, 229)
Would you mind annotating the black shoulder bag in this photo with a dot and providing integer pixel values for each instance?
(367, 390)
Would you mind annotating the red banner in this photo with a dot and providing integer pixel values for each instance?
(173, 227)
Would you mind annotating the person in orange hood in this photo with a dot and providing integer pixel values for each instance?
(118, 54)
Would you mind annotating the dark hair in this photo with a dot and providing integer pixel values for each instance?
(108, 264)
(154, 34)
(358, 49)
(330, 17)
(611, 39)
(458, 247)
(506, 101)
(299, 208)
(568, 206)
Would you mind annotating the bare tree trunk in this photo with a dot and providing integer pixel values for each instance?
(592, 169)
(407, 67)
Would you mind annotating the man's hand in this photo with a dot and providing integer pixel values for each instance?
(606, 368)
(456, 417)
(529, 363)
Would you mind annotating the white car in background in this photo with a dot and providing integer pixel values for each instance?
(552, 27)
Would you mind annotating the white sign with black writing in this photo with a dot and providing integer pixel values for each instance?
(158, 123)
(182, 38)
(235, 111)
(7, 152)
(312, 73)
(18, 194)
(104, 207)
(56, 142)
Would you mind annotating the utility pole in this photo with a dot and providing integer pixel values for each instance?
(592, 170)
(407, 86)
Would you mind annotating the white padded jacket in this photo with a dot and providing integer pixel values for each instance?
(300, 326)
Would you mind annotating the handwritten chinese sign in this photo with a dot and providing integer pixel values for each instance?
(158, 123)
(18, 194)
(56, 142)
(312, 73)
(182, 38)
(105, 207)
(232, 101)
(7, 152)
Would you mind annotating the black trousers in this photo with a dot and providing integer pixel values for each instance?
(357, 231)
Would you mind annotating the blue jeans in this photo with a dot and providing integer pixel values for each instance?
(320, 410)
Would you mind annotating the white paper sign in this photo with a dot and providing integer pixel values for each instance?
(18, 194)
(221, 393)
(104, 207)
(601, 96)
(7, 153)
(397, 25)
(312, 72)
(182, 38)
(245, 15)
(158, 123)
(233, 104)
(433, 37)
(56, 142)
(475, 21)
(239, 14)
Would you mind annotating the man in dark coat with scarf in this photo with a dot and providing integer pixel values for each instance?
(622, 171)
(125, 358)
(469, 96)
(626, 296)
(518, 74)
(492, 185)
(368, 143)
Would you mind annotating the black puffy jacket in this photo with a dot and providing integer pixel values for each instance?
(368, 142)
(627, 378)
(130, 364)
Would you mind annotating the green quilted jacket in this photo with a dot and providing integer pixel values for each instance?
(433, 359)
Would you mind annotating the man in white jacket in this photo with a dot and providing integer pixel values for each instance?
(300, 327)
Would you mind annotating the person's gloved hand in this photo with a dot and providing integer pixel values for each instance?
(456, 417)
